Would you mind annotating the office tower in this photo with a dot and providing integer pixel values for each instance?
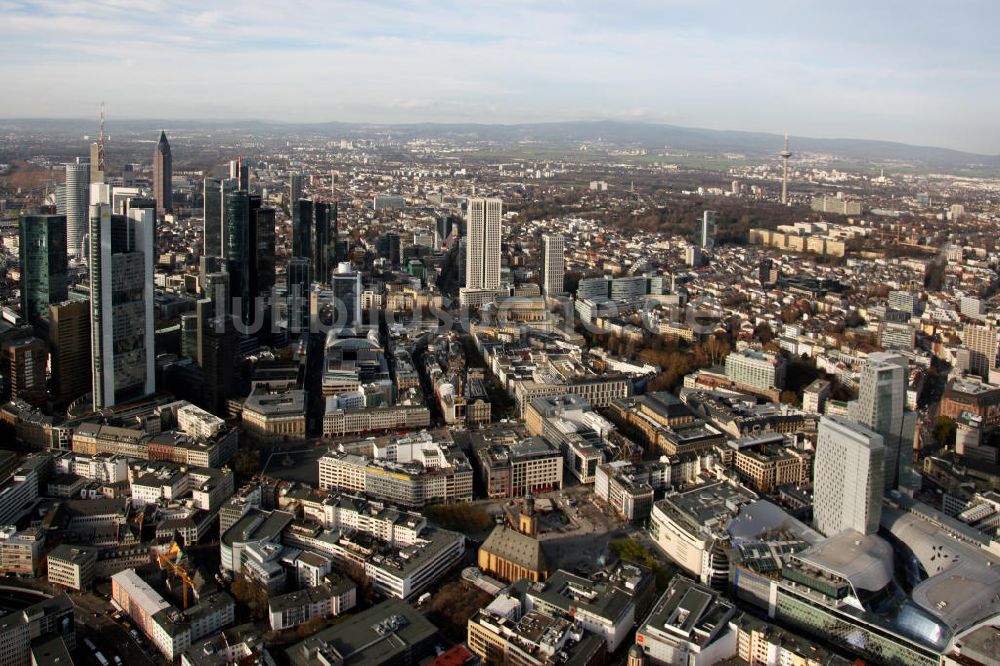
(706, 231)
(215, 288)
(389, 246)
(214, 192)
(347, 296)
(264, 255)
(211, 235)
(239, 171)
(335, 254)
(848, 476)
(294, 188)
(77, 203)
(121, 304)
(553, 264)
(163, 173)
(42, 247)
(881, 406)
(785, 155)
(26, 360)
(693, 256)
(981, 341)
(482, 250)
(189, 335)
(299, 277)
(302, 221)
(321, 249)
(444, 224)
(69, 344)
(96, 168)
(218, 345)
(238, 249)
(768, 272)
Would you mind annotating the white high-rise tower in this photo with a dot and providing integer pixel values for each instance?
(706, 234)
(77, 201)
(847, 477)
(553, 263)
(482, 247)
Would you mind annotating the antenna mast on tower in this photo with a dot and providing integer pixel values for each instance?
(100, 144)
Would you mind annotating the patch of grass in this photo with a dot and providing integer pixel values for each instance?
(631, 550)
(459, 516)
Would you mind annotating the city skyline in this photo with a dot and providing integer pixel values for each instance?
(756, 69)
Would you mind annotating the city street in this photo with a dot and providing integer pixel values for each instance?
(110, 637)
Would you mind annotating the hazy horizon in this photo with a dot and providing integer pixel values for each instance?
(918, 73)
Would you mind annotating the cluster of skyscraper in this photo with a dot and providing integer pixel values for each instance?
(111, 339)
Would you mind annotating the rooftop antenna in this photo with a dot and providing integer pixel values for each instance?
(100, 144)
(785, 154)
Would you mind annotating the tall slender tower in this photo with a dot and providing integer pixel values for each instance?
(294, 188)
(706, 234)
(42, 246)
(239, 171)
(785, 154)
(881, 406)
(76, 201)
(482, 250)
(97, 155)
(215, 191)
(162, 174)
(121, 305)
(553, 263)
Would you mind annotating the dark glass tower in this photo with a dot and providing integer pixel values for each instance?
(42, 246)
(265, 254)
(302, 221)
(213, 194)
(299, 278)
(321, 249)
(237, 248)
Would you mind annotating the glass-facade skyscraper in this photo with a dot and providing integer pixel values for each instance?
(121, 304)
(42, 246)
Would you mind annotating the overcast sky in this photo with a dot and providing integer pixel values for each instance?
(916, 71)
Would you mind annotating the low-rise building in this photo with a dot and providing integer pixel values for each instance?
(690, 624)
(513, 466)
(392, 632)
(21, 550)
(72, 567)
(326, 600)
(275, 415)
(608, 607)
(506, 633)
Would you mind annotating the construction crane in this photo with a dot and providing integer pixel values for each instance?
(172, 560)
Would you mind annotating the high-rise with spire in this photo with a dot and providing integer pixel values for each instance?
(162, 175)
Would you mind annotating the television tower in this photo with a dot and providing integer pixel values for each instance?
(785, 154)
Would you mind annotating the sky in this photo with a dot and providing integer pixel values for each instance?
(919, 71)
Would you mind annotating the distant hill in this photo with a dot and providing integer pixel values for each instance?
(558, 134)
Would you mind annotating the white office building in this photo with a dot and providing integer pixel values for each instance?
(482, 248)
(553, 263)
(847, 477)
(706, 230)
(76, 202)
